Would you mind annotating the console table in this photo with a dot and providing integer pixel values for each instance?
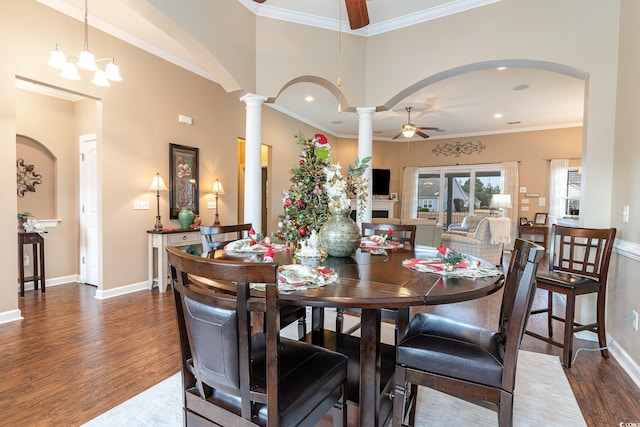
(36, 240)
(536, 233)
(157, 241)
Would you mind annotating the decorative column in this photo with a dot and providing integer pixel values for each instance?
(365, 149)
(253, 161)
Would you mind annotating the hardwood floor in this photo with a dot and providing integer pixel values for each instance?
(74, 357)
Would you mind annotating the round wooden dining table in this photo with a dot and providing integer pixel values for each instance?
(372, 281)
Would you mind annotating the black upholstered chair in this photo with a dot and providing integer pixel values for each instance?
(235, 376)
(467, 361)
(217, 237)
(579, 265)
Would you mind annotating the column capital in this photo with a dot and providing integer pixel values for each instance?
(365, 111)
(253, 99)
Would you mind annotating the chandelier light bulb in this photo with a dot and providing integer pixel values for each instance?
(408, 133)
(57, 59)
(113, 72)
(70, 71)
(87, 61)
(100, 79)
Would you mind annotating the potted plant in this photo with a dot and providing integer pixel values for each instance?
(22, 218)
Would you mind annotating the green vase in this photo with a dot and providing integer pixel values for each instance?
(340, 235)
(185, 217)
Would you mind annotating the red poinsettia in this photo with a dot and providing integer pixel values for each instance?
(321, 138)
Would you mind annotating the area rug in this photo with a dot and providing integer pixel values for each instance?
(543, 398)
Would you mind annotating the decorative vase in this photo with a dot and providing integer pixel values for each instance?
(185, 217)
(340, 235)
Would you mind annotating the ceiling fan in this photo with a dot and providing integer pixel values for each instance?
(356, 10)
(409, 129)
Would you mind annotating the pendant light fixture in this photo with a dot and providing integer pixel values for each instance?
(68, 62)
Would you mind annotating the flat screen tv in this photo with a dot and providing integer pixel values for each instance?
(380, 179)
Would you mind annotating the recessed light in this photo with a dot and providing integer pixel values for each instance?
(521, 87)
(337, 122)
(501, 68)
(497, 115)
(513, 123)
(308, 98)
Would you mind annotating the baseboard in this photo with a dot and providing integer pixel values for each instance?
(122, 290)
(627, 363)
(10, 316)
(62, 280)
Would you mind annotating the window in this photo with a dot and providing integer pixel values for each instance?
(572, 203)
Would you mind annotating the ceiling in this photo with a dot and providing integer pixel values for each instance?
(460, 106)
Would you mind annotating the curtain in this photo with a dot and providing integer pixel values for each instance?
(558, 172)
(511, 184)
(410, 193)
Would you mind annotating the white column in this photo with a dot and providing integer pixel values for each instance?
(253, 161)
(365, 149)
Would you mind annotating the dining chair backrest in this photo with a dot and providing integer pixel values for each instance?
(581, 251)
(232, 372)
(217, 237)
(405, 234)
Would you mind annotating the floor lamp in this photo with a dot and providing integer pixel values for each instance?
(217, 190)
(156, 185)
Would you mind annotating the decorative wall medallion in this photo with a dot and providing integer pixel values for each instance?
(459, 148)
(27, 178)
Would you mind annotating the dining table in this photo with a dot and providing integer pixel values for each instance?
(372, 280)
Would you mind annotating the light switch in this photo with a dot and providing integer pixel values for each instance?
(625, 214)
(141, 204)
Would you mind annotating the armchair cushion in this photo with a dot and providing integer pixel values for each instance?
(477, 244)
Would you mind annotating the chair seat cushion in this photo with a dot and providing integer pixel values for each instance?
(567, 280)
(446, 347)
(308, 374)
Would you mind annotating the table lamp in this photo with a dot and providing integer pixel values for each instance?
(500, 202)
(156, 185)
(217, 190)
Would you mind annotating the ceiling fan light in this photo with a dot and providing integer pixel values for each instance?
(87, 61)
(57, 59)
(408, 133)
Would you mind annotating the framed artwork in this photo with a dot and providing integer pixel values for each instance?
(183, 179)
(540, 219)
(524, 221)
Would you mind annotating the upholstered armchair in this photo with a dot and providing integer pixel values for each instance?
(468, 225)
(486, 242)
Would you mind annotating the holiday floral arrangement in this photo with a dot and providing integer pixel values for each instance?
(341, 190)
(307, 201)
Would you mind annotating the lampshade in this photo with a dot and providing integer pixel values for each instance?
(57, 59)
(100, 79)
(70, 72)
(501, 201)
(87, 61)
(408, 133)
(113, 72)
(217, 188)
(157, 184)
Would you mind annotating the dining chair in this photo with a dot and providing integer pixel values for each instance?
(217, 237)
(233, 375)
(467, 361)
(578, 265)
(405, 234)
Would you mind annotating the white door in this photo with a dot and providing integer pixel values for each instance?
(89, 210)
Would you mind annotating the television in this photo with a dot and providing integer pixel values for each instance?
(380, 179)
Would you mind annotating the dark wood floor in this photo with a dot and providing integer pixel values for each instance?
(74, 357)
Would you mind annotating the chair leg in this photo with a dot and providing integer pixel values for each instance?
(302, 327)
(340, 410)
(550, 313)
(602, 331)
(505, 410)
(399, 397)
(567, 351)
(339, 320)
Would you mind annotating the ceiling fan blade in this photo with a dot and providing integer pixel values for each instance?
(397, 136)
(427, 128)
(358, 13)
(422, 134)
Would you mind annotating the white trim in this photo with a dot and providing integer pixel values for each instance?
(627, 249)
(10, 316)
(62, 280)
(626, 362)
(122, 290)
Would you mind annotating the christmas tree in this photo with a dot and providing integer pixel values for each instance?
(306, 202)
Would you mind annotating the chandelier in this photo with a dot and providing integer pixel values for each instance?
(68, 62)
